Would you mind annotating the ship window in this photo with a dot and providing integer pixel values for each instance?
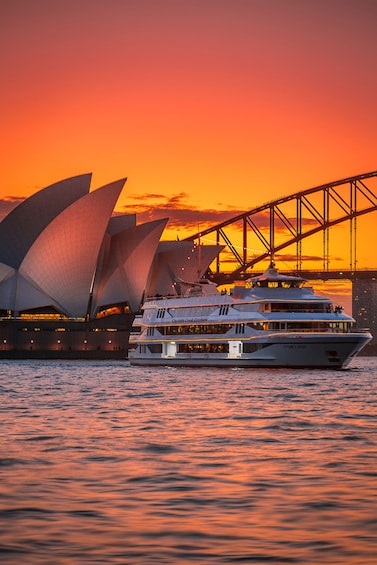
(195, 329)
(256, 326)
(192, 312)
(245, 307)
(155, 347)
(224, 308)
(240, 328)
(250, 347)
(160, 313)
(315, 326)
(307, 307)
(150, 331)
(203, 348)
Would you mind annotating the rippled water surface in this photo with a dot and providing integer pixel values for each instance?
(106, 463)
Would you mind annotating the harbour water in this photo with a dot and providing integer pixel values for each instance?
(102, 462)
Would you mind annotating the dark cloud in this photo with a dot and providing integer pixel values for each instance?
(288, 257)
(181, 214)
(153, 206)
(148, 196)
(228, 257)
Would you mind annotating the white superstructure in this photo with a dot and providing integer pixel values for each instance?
(273, 321)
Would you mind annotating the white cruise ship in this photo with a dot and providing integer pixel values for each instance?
(272, 321)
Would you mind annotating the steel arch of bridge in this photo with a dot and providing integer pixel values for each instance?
(316, 210)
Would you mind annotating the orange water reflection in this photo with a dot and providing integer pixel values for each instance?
(112, 464)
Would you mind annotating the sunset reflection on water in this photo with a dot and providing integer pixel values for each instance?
(106, 463)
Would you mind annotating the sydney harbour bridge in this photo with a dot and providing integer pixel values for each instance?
(314, 218)
(284, 224)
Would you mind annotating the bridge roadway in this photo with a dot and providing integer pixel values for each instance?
(310, 275)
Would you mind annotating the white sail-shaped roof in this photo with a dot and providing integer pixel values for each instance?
(21, 227)
(171, 256)
(8, 288)
(15, 289)
(62, 248)
(120, 223)
(29, 296)
(63, 259)
(5, 273)
(126, 269)
(179, 260)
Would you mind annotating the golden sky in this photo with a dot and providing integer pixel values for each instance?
(209, 107)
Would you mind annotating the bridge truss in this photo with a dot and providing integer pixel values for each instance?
(286, 222)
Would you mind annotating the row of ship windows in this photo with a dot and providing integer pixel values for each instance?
(306, 307)
(203, 329)
(201, 347)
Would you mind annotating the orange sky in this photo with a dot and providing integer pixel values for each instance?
(209, 106)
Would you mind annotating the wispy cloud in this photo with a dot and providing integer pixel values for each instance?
(152, 206)
(181, 214)
(289, 257)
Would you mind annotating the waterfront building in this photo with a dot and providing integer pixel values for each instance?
(73, 275)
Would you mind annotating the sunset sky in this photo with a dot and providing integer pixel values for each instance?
(209, 107)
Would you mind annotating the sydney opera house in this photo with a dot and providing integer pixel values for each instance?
(73, 275)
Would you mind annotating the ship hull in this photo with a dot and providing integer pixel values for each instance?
(298, 351)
